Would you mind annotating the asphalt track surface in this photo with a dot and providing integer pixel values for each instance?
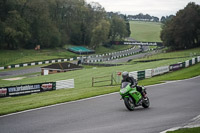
(172, 104)
(128, 58)
(105, 57)
(20, 72)
(38, 69)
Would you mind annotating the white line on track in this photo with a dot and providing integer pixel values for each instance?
(88, 98)
(195, 122)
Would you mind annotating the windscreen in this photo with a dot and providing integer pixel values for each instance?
(124, 84)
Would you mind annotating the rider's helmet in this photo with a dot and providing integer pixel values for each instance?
(125, 75)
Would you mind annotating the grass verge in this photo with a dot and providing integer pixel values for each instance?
(186, 130)
(175, 54)
(145, 31)
(20, 103)
(8, 57)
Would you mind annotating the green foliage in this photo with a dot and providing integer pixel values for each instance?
(143, 17)
(183, 30)
(53, 23)
(118, 28)
(16, 30)
(167, 18)
(100, 33)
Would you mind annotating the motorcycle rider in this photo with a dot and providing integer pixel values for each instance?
(127, 78)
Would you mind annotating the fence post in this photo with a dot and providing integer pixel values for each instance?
(111, 79)
(92, 81)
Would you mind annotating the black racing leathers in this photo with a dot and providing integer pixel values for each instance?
(133, 82)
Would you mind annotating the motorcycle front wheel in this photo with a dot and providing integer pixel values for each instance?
(128, 101)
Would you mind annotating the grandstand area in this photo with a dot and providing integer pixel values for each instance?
(81, 50)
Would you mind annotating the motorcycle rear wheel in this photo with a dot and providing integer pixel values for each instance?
(146, 103)
(129, 103)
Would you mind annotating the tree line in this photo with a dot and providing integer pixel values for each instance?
(54, 23)
(182, 31)
(164, 19)
(143, 17)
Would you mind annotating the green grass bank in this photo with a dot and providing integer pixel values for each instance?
(186, 130)
(82, 90)
(145, 31)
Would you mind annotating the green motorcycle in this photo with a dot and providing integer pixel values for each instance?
(132, 98)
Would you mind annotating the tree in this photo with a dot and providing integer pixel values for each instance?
(167, 18)
(163, 19)
(54, 23)
(100, 33)
(183, 30)
(16, 30)
(118, 28)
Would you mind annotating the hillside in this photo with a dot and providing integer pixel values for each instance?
(145, 31)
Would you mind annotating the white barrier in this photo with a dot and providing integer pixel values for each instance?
(33, 64)
(65, 84)
(46, 62)
(198, 59)
(148, 73)
(160, 70)
(16, 66)
(39, 63)
(193, 61)
(187, 63)
(134, 74)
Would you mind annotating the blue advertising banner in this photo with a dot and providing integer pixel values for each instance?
(23, 89)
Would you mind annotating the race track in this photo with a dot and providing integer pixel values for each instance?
(172, 104)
